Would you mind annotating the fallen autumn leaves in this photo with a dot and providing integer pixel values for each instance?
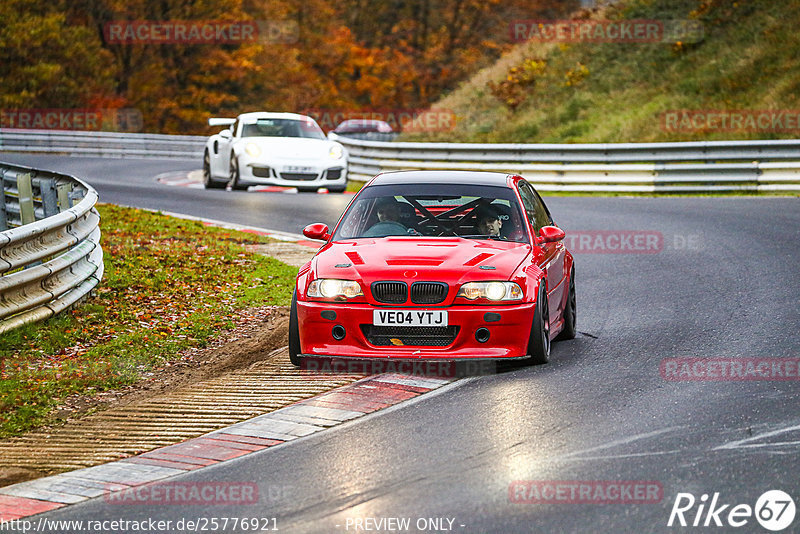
(169, 285)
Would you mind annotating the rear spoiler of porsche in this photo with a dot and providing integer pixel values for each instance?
(220, 122)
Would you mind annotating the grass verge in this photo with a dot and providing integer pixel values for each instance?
(169, 284)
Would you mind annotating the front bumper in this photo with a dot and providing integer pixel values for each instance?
(508, 334)
(255, 171)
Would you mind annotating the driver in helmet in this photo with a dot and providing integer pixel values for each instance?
(388, 210)
(489, 222)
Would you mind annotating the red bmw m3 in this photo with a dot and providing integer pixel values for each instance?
(436, 265)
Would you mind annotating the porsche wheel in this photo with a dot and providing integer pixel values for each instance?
(570, 311)
(233, 175)
(294, 333)
(539, 343)
(208, 181)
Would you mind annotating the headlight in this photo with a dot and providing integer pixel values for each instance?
(329, 288)
(253, 150)
(336, 151)
(491, 291)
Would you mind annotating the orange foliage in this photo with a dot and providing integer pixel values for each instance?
(348, 54)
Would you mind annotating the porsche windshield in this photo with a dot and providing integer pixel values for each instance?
(435, 210)
(282, 128)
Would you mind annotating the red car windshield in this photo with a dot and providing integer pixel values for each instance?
(434, 210)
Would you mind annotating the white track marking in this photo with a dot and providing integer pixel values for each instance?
(620, 456)
(739, 444)
(618, 442)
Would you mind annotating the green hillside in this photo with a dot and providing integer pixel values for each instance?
(747, 59)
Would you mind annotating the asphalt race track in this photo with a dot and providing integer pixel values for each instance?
(131, 182)
(722, 283)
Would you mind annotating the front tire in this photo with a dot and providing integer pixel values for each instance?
(539, 343)
(570, 311)
(208, 181)
(294, 334)
(234, 176)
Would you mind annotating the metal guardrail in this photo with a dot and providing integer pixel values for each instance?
(50, 254)
(103, 144)
(694, 167)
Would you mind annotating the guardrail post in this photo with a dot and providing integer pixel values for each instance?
(3, 218)
(63, 191)
(47, 188)
(27, 215)
(75, 195)
(3, 221)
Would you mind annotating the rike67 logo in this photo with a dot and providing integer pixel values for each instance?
(774, 510)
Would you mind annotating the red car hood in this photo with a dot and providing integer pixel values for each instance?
(451, 260)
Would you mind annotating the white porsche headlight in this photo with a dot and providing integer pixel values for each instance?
(331, 288)
(253, 150)
(335, 151)
(491, 291)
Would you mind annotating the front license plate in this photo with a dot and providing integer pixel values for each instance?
(294, 168)
(409, 318)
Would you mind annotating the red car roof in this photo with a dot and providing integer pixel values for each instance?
(440, 177)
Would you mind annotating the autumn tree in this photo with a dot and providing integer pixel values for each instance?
(46, 62)
(349, 54)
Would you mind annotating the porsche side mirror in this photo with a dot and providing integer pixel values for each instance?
(550, 234)
(317, 231)
(226, 134)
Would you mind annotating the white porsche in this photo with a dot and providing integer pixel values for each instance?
(284, 149)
